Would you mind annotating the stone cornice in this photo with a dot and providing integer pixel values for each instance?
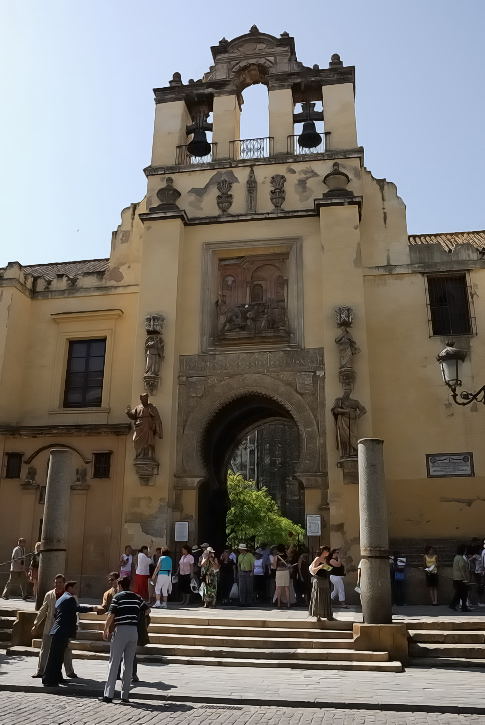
(193, 93)
(280, 159)
(87, 429)
(61, 317)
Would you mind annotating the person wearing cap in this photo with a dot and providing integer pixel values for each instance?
(209, 571)
(245, 567)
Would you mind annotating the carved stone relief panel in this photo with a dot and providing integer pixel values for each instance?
(251, 297)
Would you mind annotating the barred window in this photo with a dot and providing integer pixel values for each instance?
(449, 305)
(84, 375)
(102, 464)
(13, 465)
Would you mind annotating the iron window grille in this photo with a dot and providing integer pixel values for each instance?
(450, 305)
(183, 158)
(13, 465)
(102, 464)
(85, 372)
(251, 148)
(295, 149)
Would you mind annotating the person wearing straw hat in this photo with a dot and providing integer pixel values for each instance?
(245, 567)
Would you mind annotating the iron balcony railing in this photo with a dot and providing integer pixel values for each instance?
(183, 158)
(295, 149)
(251, 148)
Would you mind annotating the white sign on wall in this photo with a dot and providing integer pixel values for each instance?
(182, 531)
(313, 525)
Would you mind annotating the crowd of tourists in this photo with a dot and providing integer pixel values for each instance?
(263, 575)
(246, 575)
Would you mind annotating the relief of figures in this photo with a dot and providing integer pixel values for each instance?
(253, 319)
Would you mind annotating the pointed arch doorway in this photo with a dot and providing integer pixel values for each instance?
(227, 400)
(251, 424)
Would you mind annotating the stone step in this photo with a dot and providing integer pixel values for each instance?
(8, 612)
(185, 651)
(375, 666)
(447, 636)
(263, 633)
(472, 625)
(228, 641)
(167, 616)
(5, 635)
(468, 651)
(6, 622)
(452, 662)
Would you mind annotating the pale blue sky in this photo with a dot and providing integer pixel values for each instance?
(77, 111)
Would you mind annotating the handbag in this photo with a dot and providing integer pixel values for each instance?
(194, 585)
(175, 578)
(234, 593)
(143, 624)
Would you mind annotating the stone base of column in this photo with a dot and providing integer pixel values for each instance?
(392, 638)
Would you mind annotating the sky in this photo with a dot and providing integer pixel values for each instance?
(77, 104)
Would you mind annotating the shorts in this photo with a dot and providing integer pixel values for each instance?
(163, 585)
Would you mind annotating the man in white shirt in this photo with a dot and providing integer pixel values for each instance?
(18, 578)
(46, 615)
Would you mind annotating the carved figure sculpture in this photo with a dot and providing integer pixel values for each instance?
(154, 353)
(277, 193)
(148, 426)
(252, 190)
(347, 348)
(347, 411)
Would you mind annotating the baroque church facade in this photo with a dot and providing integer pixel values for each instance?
(260, 282)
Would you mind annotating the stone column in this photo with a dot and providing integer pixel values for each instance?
(56, 520)
(374, 534)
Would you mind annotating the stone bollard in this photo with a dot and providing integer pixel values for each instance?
(56, 519)
(375, 581)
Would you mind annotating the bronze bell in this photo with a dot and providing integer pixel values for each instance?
(309, 137)
(199, 146)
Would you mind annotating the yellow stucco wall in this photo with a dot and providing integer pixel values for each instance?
(353, 254)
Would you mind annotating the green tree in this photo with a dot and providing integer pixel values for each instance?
(254, 516)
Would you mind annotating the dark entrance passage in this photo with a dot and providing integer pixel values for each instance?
(256, 436)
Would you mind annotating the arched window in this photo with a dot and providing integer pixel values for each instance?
(257, 293)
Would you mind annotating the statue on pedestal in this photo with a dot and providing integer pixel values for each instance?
(148, 426)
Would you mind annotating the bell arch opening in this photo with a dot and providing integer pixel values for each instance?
(254, 112)
(258, 437)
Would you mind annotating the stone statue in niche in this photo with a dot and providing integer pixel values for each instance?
(168, 196)
(277, 193)
(148, 427)
(252, 190)
(154, 351)
(346, 412)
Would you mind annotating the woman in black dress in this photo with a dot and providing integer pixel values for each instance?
(320, 602)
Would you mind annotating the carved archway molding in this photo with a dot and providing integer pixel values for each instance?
(33, 455)
(221, 394)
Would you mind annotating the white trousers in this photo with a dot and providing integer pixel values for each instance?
(338, 587)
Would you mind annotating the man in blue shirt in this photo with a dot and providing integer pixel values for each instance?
(64, 627)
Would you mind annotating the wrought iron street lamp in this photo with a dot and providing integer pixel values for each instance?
(450, 360)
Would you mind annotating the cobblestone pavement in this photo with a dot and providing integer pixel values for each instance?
(440, 690)
(48, 709)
